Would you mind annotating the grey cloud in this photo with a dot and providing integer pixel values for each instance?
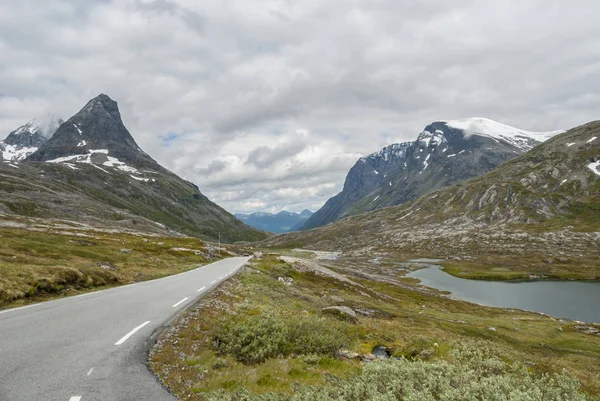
(265, 156)
(239, 78)
(193, 19)
(214, 167)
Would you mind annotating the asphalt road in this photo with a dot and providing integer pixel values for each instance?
(93, 347)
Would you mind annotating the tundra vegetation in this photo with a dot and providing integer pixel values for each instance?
(263, 335)
(44, 261)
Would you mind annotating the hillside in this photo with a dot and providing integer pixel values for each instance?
(537, 213)
(92, 171)
(444, 154)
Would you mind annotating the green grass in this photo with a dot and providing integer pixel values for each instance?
(496, 267)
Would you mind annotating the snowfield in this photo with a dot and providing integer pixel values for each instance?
(495, 130)
(14, 153)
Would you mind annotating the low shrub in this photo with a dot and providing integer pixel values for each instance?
(255, 338)
(473, 375)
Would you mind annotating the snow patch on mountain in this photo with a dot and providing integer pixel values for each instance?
(485, 127)
(97, 158)
(15, 153)
(431, 138)
(595, 167)
(396, 150)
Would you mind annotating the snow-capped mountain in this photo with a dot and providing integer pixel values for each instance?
(524, 140)
(26, 139)
(281, 222)
(96, 135)
(444, 153)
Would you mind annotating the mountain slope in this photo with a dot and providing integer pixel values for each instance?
(92, 171)
(540, 208)
(276, 223)
(444, 154)
(26, 139)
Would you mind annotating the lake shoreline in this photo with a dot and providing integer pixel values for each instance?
(563, 299)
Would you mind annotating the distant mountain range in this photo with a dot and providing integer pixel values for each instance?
(91, 172)
(445, 153)
(276, 223)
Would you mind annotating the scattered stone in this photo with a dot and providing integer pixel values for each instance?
(336, 298)
(348, 354)
(286, 281)
(491, 328)
(588, 330)
(340, 312)
(107, 266)
(369, 358)
(381, 352)
(145, 240)
(125, 250)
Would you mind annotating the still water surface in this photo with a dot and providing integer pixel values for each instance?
(564, 299)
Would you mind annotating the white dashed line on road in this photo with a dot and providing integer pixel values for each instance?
(201, 289)
(132, 332)
(90, 371)
(180, 302)
(214, 281)
(75, 398)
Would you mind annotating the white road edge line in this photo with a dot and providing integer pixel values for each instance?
(214, 281)
(86, 294)
(180, 302)
(132, 332)
(201, 289)
(75, 398)
(16, 309)
(90, 371)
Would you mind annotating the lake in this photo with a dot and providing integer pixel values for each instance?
(573, 300)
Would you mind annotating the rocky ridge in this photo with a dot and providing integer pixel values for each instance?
(445, 153)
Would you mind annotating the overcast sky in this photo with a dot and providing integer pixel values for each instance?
(266, 104)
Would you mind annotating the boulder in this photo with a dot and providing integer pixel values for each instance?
(341, 312)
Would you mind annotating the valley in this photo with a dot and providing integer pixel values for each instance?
(347, 307)
(273, 200)
(290, 326)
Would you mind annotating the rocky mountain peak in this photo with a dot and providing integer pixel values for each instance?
(26, 139)
(444, 153)
(103, 105)
(95, 133)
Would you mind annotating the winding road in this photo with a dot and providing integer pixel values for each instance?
(93, 347)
